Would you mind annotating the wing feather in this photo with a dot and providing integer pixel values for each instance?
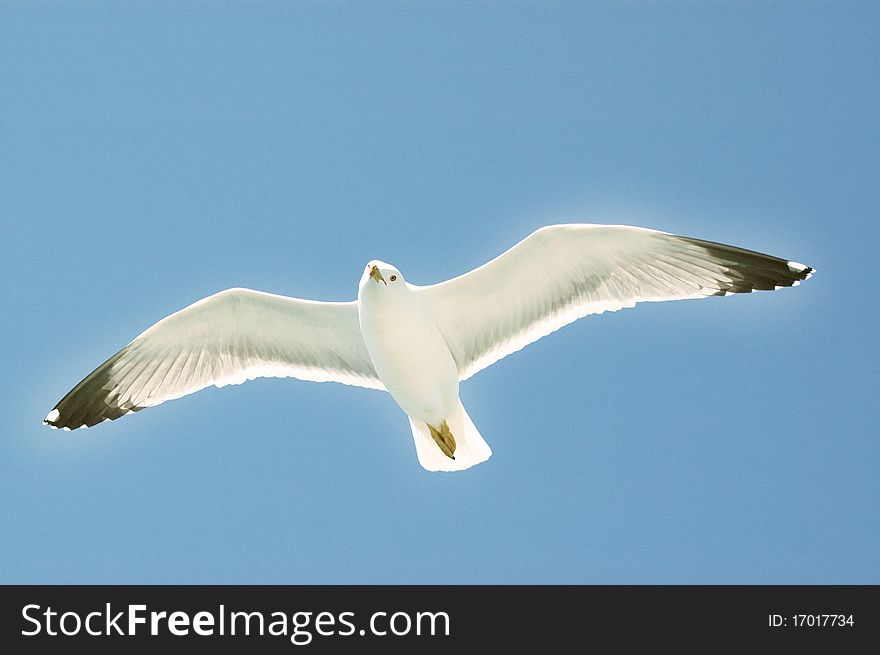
(563, 272)
(227, 338)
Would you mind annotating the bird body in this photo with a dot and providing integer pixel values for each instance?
(414, 363)
(418, 342)
(408, 352)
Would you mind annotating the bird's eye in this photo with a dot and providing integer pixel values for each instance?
(393, 277)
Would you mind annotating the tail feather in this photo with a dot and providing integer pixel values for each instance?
(470, 447)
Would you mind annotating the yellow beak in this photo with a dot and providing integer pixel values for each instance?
(376, 275)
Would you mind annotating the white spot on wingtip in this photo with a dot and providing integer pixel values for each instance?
(52, 416)
(797, 267)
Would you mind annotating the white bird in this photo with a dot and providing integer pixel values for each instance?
(418, 342)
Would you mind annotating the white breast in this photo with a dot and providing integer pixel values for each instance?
(409, 353)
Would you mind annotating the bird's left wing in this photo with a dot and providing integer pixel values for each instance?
(563, 272)
(227, 338)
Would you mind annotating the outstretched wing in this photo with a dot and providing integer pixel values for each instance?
(561, 273)
(227, 338)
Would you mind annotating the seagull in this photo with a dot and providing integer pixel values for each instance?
(418, 343)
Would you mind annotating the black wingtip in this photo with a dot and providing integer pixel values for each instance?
(749, 270)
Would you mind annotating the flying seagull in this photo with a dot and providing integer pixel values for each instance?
(418, 342)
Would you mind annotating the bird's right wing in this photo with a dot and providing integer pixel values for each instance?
(227, 338)
(563, 272)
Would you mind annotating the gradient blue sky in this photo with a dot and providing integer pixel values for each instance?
(154, 153)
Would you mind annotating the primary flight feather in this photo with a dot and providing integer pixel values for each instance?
(418, 342)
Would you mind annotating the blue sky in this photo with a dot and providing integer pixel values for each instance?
(154, 153)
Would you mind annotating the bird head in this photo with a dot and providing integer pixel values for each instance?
(379, 276)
